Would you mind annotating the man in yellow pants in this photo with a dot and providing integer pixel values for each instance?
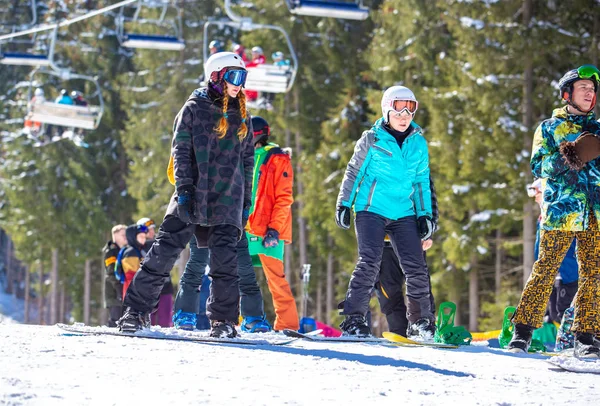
(565, 155)
(270, 220)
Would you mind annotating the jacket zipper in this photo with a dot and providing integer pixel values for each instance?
(385, 151)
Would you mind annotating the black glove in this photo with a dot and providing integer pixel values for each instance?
(426, 227)
(186, 203)
(342, 217)
(271, 239)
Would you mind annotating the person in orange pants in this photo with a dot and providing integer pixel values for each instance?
(269, 226)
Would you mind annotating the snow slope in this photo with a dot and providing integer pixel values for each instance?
(40, 366)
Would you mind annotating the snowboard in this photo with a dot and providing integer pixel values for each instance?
(342, 339)
(398, 339)
(573, 364)
(157, 333)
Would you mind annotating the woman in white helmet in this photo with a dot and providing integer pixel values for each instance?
(212, 159)
(387, 184)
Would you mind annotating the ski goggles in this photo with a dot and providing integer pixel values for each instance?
(588, 72)
(402, 106)
(150, 224)
(236, 77)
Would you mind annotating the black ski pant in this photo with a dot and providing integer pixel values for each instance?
(371, 229)
(561, 299)
(390, 291)
(188, 296)
(223, 303)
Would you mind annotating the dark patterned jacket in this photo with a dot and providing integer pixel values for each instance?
(219, 169)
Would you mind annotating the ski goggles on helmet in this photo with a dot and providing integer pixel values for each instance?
(588, 72)
(236, 77)
(402, 106)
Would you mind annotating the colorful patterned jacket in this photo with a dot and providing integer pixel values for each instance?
(569, 196)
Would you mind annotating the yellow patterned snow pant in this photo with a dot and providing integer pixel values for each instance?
(554, 245)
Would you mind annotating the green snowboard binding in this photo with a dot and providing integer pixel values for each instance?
(446, 332)
(507, 332)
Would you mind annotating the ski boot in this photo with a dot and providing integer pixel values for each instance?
(422, 330)
(584, 346)
(132, 321)
(255, 325)
(355, 325)
(184, 320)
(222, 329)
(446, 332)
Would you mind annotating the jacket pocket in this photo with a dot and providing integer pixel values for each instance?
(371, 192)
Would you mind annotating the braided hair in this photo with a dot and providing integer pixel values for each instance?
(223, 125)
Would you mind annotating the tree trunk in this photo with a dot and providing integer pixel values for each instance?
(61, 311)
(528, 213)
(86, 293)
(41, 295)
(319, 303)
(27, 300)
(300, 189)
(103, 313)
(54, 288)
(9, 267)
(473, 294)
(288, 259)
(498, 265)
(329, 296)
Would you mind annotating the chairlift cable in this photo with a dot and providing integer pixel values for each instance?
(64, 23)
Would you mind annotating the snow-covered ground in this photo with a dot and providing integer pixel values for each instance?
(41, 366)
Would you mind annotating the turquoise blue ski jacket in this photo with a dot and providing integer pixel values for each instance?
(387, 179)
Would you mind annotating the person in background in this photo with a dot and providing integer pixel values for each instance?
(131, 256)
(113, 290)
(215, 46)
(64, 98)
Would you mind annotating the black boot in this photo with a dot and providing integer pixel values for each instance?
(421, 330)
(584, 346)
(355, 325)
(521, 338)
(222, 329)
(132, 321)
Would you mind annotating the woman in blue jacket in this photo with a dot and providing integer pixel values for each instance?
(387, 184)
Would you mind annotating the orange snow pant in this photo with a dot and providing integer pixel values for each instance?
(554, 245)
(286, 313)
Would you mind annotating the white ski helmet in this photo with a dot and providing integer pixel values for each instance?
(221, 60)
(257, 50)
(392, 94)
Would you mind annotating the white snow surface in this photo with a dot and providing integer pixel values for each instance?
(41, 366)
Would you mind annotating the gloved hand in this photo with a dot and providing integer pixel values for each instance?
(426, 227)
(579, 152)
(186, 203)
(271, 239)
(342, 217)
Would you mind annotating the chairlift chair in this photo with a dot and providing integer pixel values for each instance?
(265, 78)
(152, 41)
(329, 8)
(30, 59)
(48, 112)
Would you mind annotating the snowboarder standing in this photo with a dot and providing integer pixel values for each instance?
(565, 148)
(212, 160)
(270, 224)
(385, 203)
